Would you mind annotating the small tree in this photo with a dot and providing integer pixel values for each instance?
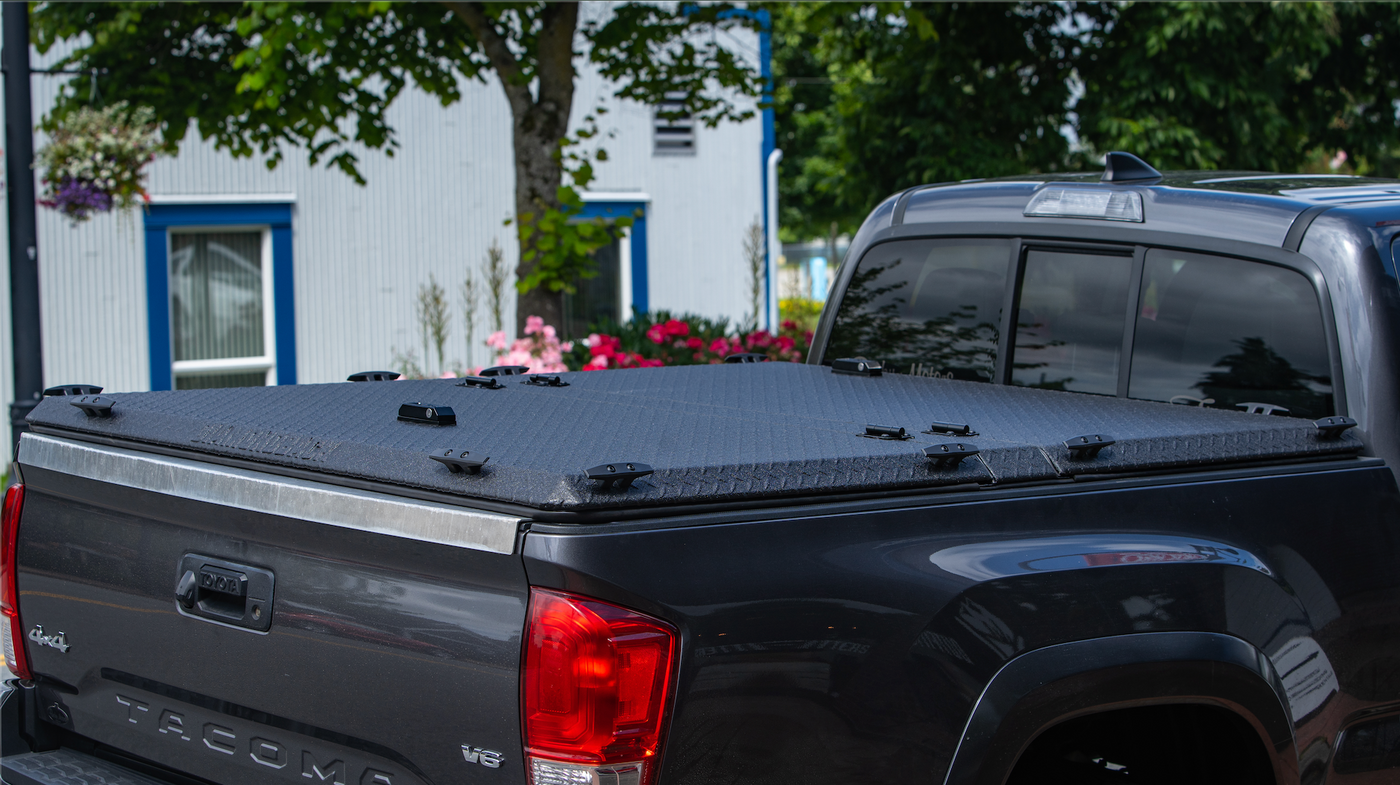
(471, 295)
(434, 320)
(496, 274)
(756, 257)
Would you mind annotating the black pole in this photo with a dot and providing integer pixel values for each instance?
(24, 246)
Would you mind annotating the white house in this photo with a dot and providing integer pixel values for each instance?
(239, 275)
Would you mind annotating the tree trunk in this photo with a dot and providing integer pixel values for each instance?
(540, 122)
(537, 179)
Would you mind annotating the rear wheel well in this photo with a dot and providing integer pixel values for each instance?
(1146, 745)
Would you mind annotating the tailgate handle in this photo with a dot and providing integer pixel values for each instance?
(225, 592)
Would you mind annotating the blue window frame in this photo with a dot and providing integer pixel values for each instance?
(274, 221)
(636, 243)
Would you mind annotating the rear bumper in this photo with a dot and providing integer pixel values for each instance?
(20, 765)
(66, 767)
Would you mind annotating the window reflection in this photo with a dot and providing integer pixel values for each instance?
(1222, 332)
(926, 308)
(1069, 327)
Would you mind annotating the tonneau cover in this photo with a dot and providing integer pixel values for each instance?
(722, 433)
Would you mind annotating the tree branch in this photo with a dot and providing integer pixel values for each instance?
(505, 63)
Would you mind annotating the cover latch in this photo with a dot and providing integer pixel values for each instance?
(952, 428)
(620, 474)
(541, 380)
(857, 366)
(373, 376)
(1087, 447)
(504, 370)
(427, 413)
(483, 382)
(458, 462)
(747, 357)
(888, 432)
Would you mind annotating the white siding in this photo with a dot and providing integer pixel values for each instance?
(360, 253)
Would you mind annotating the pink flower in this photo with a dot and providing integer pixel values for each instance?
(656, 333)
(497, 340)
(598, 363)
(533, 324)
(448, 375)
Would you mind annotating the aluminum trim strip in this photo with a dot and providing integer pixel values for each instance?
(346, 508)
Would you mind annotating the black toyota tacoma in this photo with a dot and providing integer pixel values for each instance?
(1088, 479)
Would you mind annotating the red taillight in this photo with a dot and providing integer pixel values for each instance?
(595, 692)
(13, 635)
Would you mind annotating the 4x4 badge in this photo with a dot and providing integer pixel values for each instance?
(59, 641)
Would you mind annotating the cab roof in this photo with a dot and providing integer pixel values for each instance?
(1255, 207)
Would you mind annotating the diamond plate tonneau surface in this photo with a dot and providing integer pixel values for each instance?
(713, 433)
(67, 767)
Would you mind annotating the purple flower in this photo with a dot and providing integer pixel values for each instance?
(77, 199)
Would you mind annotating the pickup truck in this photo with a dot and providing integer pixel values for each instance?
(1088, 479)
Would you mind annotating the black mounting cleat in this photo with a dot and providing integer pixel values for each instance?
(948, 456)
(72, 389)
(95, 405)
(458, 462)
(1087, 447)
(621, 474)
(1333, 427)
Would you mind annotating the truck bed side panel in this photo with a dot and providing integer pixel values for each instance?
(851, 646)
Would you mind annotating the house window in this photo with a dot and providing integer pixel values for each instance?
(220, 309)
(621, 284)
(672, 135)
(597, 300)
(219, 293)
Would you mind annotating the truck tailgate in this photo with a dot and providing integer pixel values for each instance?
(325, 633)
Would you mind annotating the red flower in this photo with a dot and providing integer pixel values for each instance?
(675, 328)
(656, 333)
(694, 343)
(650, 364)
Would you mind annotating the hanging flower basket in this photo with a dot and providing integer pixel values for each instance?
(94, 160)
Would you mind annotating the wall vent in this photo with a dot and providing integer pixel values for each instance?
(673, 136)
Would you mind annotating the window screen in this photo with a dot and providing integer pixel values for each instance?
(217, 306)
(1069, 325)
(1225, 332)
(923, 307)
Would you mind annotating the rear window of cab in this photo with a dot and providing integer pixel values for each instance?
(1186, 328)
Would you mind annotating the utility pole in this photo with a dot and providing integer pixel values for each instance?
(24, 246)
